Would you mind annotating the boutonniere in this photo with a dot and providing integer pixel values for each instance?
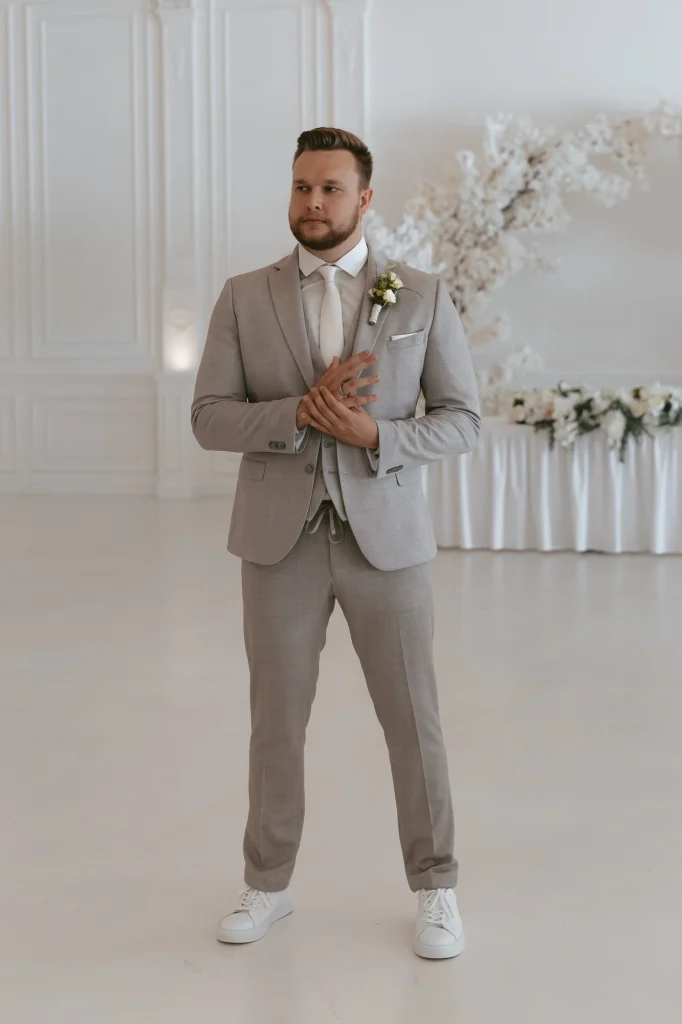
(384, 291)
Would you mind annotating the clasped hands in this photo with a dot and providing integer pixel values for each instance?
(342, 415)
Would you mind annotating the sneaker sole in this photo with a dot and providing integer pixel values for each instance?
(440, 952)
(241, 935)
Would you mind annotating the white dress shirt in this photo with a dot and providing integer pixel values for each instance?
(352, 285)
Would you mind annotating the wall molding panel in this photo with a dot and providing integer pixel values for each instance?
(8, 448)
(56, 33)
(143, 146)
(6, 231)
(349, 64)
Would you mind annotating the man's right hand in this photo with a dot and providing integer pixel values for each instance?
(348, 374)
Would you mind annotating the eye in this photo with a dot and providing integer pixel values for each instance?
(331, 188)
(301, 188)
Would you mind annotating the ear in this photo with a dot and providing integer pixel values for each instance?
(366, 199)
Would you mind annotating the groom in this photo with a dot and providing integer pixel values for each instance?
(330, 507)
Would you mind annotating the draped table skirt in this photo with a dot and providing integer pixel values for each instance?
(512, 492)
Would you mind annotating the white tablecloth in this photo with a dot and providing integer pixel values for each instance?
(513, 492)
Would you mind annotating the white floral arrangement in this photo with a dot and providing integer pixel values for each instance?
(474, 228)
(568, 413)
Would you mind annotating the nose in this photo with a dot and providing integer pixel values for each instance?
(314, 200)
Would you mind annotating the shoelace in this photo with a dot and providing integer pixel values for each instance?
(436, 907)
(251, 899)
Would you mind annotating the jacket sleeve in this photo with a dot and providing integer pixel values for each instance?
(222, 417)
(452, 421)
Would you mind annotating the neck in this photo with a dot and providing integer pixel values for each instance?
(332, 255)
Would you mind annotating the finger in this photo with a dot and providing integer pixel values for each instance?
(362, 360)
(354, 365)
(317, 425)
(319, 397)
(335, 407)
(311, 418)
(321, 409)
(363, 382)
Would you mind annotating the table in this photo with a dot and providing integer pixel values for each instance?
(512, 492)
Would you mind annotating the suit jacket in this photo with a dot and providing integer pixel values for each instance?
(256, 366)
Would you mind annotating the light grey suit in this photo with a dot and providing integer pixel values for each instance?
(257, 363)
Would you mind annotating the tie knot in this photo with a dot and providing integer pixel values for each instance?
(328, 271)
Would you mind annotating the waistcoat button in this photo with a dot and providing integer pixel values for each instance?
(309, 469)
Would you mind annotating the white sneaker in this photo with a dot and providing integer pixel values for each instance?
(256, 912)
(438, 932)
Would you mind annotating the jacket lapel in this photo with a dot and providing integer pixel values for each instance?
(285, 289)
(367, 335)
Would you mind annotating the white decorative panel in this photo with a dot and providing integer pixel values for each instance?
(90, 273)
(264, 97)
(93, 435)
(6, 119)
(349, 64)
(7, 434)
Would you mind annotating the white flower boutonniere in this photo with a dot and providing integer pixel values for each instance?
(384, 291)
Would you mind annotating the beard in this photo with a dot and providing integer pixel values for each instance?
(322, 242)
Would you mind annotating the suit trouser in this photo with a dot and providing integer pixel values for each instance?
(287, 607)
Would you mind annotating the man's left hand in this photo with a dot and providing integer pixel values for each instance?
(347, 423)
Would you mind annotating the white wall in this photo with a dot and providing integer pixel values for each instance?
(614, 310)
(145, 151)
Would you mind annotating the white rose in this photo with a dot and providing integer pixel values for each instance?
(638, 407)
(566, 433)
(564, 406)
(518, 414)
(615, 424)
(397, 283)
(389, 297)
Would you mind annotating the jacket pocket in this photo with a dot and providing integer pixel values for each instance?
(409, 477)
(252, 469)
(405, 340)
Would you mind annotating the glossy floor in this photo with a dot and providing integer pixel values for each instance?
(124, 738)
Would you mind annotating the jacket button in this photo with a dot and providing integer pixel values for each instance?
(328, 444)
(309, 469)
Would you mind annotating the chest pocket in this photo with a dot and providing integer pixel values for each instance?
(400, 341)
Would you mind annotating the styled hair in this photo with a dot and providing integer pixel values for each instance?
(336, 138)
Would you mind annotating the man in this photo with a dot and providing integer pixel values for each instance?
(283, 379)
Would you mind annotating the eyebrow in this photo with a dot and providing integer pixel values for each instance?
(329, 181)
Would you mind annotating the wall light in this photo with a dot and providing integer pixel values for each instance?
(179, 340)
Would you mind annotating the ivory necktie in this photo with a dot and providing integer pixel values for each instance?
(331, 320)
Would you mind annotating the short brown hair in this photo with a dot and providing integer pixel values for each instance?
(336, 138)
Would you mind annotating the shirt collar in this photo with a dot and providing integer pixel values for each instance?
(352, 262)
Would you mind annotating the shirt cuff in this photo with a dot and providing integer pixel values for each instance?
(300, 438)
(373, 458)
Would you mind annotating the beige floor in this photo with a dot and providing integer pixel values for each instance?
(123, 744)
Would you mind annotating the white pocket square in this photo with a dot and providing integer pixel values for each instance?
(400, 341)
